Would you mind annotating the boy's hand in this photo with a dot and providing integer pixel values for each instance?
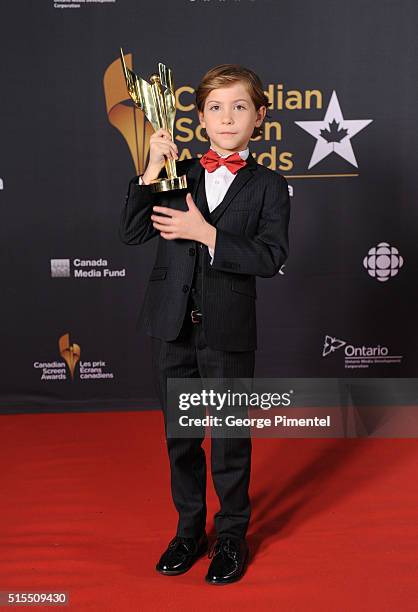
(190, 225)
(161, 148)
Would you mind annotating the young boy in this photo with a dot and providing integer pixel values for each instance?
(199, 306)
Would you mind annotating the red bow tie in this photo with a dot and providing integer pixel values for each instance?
(211, 160)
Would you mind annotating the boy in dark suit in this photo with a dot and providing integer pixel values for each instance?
(199, 306)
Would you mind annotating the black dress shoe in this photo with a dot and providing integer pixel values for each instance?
(230, 556)
(181, 554)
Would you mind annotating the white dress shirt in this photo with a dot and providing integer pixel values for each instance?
(217, 184)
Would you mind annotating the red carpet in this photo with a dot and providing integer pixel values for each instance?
(85, 510)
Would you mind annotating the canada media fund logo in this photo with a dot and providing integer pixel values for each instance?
(84, 268)
(72, 367)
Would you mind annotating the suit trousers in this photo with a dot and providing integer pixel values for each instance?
(189, 357)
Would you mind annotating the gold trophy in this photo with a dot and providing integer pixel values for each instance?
(159, 107)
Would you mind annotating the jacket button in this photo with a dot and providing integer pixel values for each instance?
(185, 288)
(193, 290)
(192, 251)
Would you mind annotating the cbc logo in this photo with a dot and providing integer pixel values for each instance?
(383, 262)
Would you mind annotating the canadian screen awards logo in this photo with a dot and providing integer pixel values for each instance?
(72, 366)
(69, 352)
(129, 120)
(84, 268)
(359, 357)
(333, 134)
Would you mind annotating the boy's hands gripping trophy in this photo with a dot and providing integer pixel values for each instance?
(190, 225)
(162, 148)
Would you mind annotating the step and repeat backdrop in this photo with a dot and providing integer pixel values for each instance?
(341, 127)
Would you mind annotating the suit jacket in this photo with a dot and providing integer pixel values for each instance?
(252, 240)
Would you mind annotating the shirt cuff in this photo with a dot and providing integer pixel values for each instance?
(211, 253)
(140, 181)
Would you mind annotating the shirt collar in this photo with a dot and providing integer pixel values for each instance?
(243, 154)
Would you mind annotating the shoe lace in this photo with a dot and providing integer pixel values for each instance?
(223, 545)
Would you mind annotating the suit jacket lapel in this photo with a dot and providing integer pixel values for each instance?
(194, 175)
(241, 179)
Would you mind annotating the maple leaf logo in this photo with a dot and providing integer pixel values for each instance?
(334, 133)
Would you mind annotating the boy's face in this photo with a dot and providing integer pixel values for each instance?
(229, 117)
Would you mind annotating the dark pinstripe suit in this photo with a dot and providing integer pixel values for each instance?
(252, 240)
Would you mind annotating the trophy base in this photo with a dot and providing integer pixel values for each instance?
(178, 182)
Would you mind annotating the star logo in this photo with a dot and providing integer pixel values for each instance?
(333, 133)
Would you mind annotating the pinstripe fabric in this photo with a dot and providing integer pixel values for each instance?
(190, 357)
(251, 240)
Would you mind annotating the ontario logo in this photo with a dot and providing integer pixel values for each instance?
(359, 356)
(71, 367)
